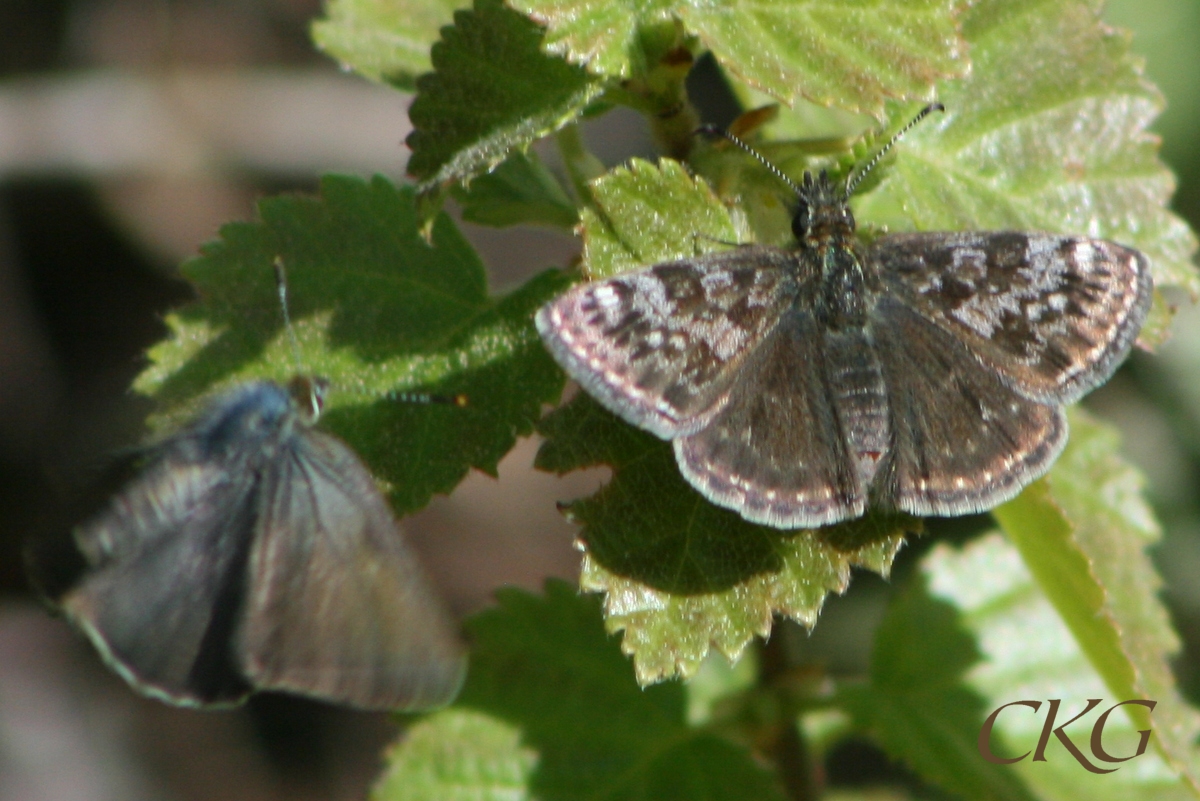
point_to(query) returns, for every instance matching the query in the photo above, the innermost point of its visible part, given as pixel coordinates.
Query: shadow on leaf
(648, 524)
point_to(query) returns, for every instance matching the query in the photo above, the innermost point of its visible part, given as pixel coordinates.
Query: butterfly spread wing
(983, 336)
(163, 585)
(1052, 315)
(661, 347)
(337, 606)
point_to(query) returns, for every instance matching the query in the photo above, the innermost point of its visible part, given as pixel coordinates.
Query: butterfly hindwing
(963, 441)
(338, 607)
(776, 453)
(164, 579)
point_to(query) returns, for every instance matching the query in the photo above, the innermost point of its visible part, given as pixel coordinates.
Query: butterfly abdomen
(859, 396)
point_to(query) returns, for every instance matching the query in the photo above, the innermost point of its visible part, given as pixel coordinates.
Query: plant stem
(582, 167)
(789, 751)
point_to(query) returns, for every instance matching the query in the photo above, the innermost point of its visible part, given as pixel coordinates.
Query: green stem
(582, 167)
(674, 128)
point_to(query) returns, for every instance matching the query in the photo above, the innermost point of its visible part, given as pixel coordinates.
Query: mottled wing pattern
(1054, 315)
(164, 565)
(963, 441)
(661, 347)
(337, 605)
(776, 453)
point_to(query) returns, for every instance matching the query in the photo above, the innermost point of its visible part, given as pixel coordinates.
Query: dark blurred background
(129, 131)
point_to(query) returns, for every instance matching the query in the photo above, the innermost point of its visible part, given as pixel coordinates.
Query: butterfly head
(822, 214)
(308, 393)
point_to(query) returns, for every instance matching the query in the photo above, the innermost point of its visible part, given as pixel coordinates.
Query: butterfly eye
(308, 393)
(848, 218)
(801, 221)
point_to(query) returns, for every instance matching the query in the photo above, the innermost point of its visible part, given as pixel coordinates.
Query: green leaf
(853, 55)
(384, 40)
(680, 574)
(1082, 532)
(492, 91)
(688, 219)
(647, 522)
(917, 706)
(519, 191)
(1031, 654)
(1047, 133)
(596, 33)
(545, 666)
(377, 310)
(456, 754)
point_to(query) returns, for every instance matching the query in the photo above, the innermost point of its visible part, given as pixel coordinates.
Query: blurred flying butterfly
(253, 552)
(923, 372)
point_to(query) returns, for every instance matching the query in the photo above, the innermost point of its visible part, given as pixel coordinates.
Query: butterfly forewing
(661, 347)
(338, 607)
(164, 584)
(1053, 315)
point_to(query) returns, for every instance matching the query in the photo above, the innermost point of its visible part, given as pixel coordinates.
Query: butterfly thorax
(824, 228)
(252, 412)
(828, 249)
(257, 418)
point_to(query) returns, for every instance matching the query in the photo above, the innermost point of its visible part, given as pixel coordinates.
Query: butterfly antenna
(716, 130)
(403, 397)
(281, 285)
(304, 389)
(854, 180)
(428, 398)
